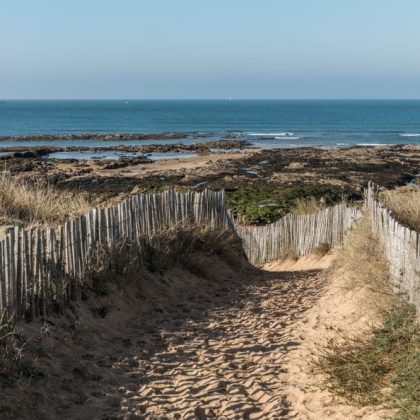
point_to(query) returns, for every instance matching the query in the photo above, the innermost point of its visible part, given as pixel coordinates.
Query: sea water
(266, 123)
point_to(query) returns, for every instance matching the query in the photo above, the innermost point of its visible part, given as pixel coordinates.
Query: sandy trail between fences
(225, 359)
(233, 348)
(230, 364)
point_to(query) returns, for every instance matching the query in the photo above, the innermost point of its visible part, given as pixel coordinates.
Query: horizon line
(209, 99)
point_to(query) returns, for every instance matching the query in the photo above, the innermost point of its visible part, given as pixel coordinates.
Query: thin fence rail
(401, 246)
(43, 269)
(300, 233)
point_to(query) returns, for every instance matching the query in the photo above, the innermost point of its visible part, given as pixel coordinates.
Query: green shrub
(265, 203)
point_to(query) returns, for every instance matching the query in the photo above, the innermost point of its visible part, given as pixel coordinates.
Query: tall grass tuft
(404, 203)
(179, 244)
(362, 265)
(37, 203)
(307, 205)
(14, 362)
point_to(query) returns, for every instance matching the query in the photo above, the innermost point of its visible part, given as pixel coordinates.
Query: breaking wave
(284, 134)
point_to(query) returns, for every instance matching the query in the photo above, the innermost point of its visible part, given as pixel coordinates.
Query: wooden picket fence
(300, 233)
(43, 269)
(401, 246)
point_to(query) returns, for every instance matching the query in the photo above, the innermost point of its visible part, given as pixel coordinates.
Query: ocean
(267, 123)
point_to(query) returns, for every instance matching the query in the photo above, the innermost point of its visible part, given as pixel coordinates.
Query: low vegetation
(14, 361)
(322, 249)
(362, 265)
(170, 247)
(25, 203)
(308, 205)
(268, 203)
(381, 367)
(404, 203)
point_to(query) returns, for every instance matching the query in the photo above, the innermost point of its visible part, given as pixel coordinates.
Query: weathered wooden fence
(300, 233)
(44, 268)
(41, 269)
(401, 246)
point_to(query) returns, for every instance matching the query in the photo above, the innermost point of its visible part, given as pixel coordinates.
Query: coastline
(337, 172)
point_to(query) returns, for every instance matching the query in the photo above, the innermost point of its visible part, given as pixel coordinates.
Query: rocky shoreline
(37, 152)
(105, 136)
(248, 175)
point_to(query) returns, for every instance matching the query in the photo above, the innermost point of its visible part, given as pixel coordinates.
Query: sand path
(225, 358)
(228, 365)
(239, 345)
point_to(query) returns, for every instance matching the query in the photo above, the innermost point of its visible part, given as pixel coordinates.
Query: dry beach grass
(37, 203)
(379, 364)
(404, 203)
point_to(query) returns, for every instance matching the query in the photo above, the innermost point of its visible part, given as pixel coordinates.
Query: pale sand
(186, 164)
(207, 163)
(225, 344)
(338, 314)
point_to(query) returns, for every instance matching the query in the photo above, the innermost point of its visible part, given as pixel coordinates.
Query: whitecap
(288, 138)
(410, 134)
(283, 134)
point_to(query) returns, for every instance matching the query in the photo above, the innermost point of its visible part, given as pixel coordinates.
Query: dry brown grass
(180, 244)
(307, 205)
(322, 249)
(14, 362)
(362, 265)
(37, 203)
(404, 203)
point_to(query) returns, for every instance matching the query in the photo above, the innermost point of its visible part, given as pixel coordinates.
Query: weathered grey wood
(301, 233)
(401, 247)
(49, 266)
(3, 301)
(42, 268)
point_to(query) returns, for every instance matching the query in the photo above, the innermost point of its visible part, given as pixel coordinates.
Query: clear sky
(209, 49)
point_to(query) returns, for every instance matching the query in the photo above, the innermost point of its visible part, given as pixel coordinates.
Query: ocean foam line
(288, 138)
(410, 134)
(284, 134)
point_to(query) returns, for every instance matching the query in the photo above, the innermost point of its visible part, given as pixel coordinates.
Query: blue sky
(210, 49)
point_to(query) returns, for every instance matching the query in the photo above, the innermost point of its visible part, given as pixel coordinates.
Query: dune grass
(404, 203)
(381, 367)
(15, 362)
(362, 265)
(179, 244)
(307, 205)
(25, 203)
